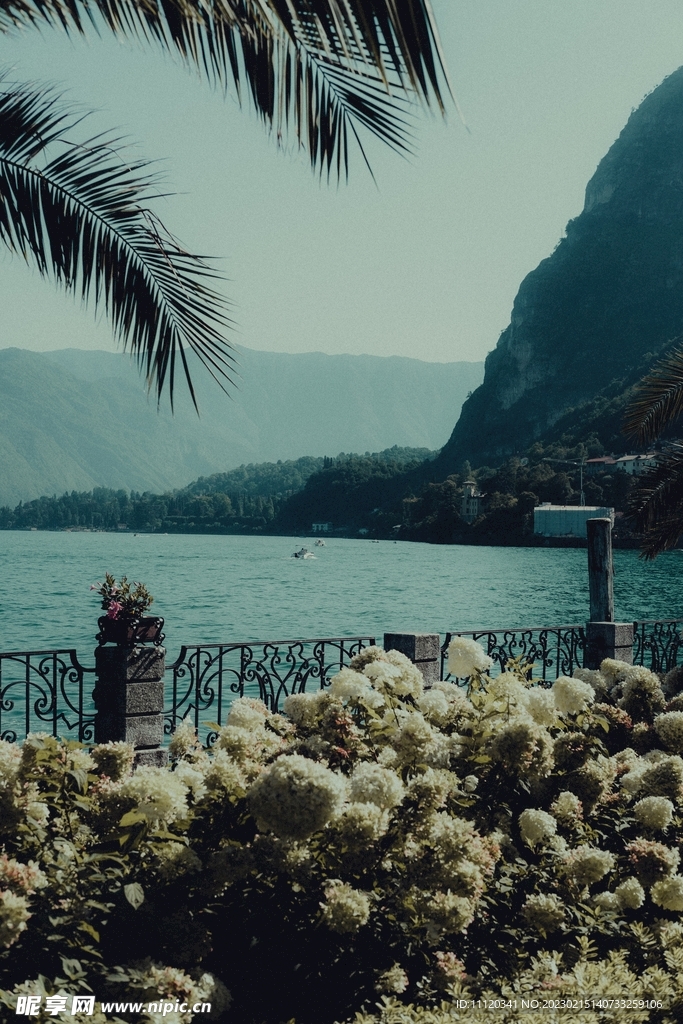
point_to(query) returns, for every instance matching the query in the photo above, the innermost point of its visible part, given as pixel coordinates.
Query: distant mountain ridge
(74, 420)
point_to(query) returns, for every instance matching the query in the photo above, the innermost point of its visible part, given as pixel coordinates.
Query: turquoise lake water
(229, 589)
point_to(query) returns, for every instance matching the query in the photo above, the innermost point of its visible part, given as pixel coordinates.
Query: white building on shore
(567, 520)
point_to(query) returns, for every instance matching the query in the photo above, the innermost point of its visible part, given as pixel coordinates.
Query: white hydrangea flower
(470, 783)
(668, 893)
(157, 793)
(630, 894)
(81, 760)
(586, 865)
(607, 901)
(613, 670)
(540, 704)
(114, 759)
(466, 656)
(572, 696)
(594, 677)
(38, 812)
(184, 740)
(248, 714)
(654, 812)
(348, 685)
(432, 788)
(392, 982)
(445, 913)
(545, 913)
(345, 909)
(175, 860)
(14, 914)
(247, 745)
(536, 826)
(412, 680)
(373, 784)
(417, 741)
(303, 708)
(633, 779)
(435, 706)
(224, 773)
(10, 761)
(641, 685)
(567, 807)
(192, 778)
(21, 878)
(295, 797)
(362, 823)
(669, 728)
(509, 687)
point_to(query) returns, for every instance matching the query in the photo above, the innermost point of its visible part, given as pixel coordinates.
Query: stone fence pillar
(129, 698)
(423, 649)
(608, 640)
(604, 637)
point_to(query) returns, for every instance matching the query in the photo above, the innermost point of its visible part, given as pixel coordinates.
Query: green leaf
(85, 927)
(135, 894)
(72, 968)
(132, 818)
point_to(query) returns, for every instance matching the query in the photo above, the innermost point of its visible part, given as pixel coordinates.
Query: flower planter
(130, 632)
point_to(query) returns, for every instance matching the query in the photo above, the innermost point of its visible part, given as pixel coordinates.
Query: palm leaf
(658, 400)
(656, 503)
(323, 67)
(81, 214)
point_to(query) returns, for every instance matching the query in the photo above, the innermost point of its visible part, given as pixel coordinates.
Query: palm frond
(656, 503)
(658, 400)
(80, 213)
(324, 67)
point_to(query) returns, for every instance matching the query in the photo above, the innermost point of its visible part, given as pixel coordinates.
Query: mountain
(74, 420)
(594, 315)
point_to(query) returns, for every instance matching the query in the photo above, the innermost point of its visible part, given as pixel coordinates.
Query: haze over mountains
(74, 420)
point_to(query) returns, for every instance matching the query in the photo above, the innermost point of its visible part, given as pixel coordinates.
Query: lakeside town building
(567, 520)
(633, 465)
(471, 505)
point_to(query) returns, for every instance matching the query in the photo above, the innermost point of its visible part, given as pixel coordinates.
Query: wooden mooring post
(605, 638)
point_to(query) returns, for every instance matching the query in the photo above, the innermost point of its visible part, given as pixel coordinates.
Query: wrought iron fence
(46, 690)
(657, 644)
(553, 650)
(43, 691)
(208, 677)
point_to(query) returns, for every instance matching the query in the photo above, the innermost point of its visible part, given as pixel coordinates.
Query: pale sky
(427, 264)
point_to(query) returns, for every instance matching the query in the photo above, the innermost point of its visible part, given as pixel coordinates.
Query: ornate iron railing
(554, 650)
(46, 690)
(43, 691)
(208, 677)
(657, 644)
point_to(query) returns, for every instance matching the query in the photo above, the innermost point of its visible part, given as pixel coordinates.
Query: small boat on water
(320, 543)
(304, 553)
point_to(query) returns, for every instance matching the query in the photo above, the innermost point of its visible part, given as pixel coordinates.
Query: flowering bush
(375, 842)
(123, 600)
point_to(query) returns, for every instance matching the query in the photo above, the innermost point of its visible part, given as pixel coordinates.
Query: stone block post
(423, 649)
(604, 637)
(608, 640)
(129, 697)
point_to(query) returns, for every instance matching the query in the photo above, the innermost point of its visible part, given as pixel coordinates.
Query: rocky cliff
(610, 294)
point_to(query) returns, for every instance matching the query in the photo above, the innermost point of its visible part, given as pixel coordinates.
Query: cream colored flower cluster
(17, 882)
(295, 797)
(345, 909)
(466, 656)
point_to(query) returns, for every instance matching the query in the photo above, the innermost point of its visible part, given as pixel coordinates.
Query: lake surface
(230, 589)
